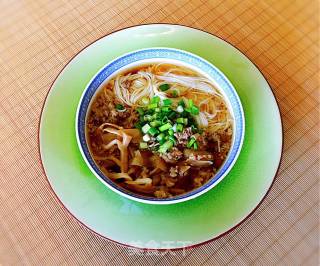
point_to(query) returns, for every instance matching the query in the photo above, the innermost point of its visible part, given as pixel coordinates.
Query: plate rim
(160, 249)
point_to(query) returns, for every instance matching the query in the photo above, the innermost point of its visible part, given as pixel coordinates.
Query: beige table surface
(37, 38)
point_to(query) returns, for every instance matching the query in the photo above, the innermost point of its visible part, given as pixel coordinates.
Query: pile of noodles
(213, 116)
(121, 138)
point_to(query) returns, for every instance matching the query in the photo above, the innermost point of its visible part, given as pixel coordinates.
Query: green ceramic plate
(155, 226)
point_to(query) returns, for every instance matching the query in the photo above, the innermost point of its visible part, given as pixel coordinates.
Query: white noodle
(131, 88)
(197, 83)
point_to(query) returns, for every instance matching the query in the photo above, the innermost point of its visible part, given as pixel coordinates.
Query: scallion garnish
(155, 99)
(180, 120)
(175, 94)
(165, 109)
(166, 146)
(147, 118)
(140, 111)
(145, 100)
(181, 103)
(194, 110)
(152, 106)
(146, 138)
(165, 127)
(172, 115)
(173, 139)
(143, 145)
(153, 131)
(167, 102)
(155, 123)
(145, 128)
(160, 137)
(180, 109)
(160, 119)
(179, 127)
(195, 146)
(191, 142)
(194, 129)
(120, 107)
(164, 87)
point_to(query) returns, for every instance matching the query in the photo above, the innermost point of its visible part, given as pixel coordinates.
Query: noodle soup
(159, 130)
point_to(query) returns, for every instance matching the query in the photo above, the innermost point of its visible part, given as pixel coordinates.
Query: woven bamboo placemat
(37, 38)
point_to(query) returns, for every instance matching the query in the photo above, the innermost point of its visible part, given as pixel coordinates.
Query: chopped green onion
(164, 87)
(194, 129)
(143, 145)
(181, 103)
(172, 115)
(120, 107)
(157, 116)
(180, 109)
(146, 138)
(179, 127)
(147, 118)
(165, 109)
(166, 146)
(152, 105)
(145, 100)
(191, 142)
(195, 146)
(194, 110)
(153, 131)
(138, 125)
(165, 127)
(160, 137)
(184, 113)
(164, 119)
(167, 102)
(145, 128)
(175, 94)
(181, 120)
(155, 123)
(173, 139)
(154, 116)
(140, 111)
(174, 128)
(155, 99)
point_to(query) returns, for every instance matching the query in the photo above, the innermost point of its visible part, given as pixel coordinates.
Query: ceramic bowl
(160, 55)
